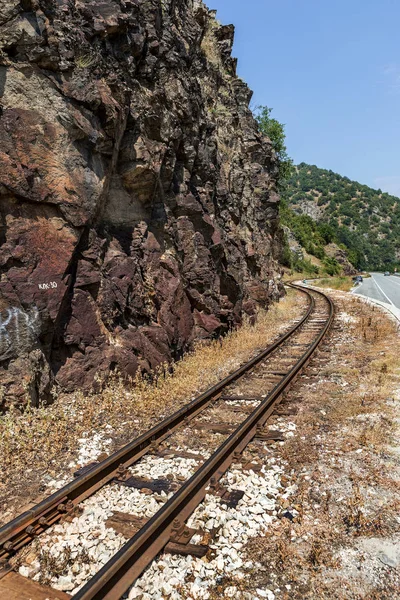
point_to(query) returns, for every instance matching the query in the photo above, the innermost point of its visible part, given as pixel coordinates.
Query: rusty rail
(113, 580)
(21, 530)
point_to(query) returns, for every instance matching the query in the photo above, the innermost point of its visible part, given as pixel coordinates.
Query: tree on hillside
(276, 132)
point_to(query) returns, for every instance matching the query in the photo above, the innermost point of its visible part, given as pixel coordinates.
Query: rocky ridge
(365, 222)
(138, 207)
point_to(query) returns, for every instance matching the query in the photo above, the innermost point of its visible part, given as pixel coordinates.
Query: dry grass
(335, 283)
(210, 47)
(297, 453)
(296, 275)
(37, 445)
(359, 520)
(375, 326)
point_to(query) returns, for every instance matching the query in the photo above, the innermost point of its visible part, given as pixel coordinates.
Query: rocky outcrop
(138, 203)
(334, 251)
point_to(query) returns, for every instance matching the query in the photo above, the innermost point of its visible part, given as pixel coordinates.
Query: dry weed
(335, 283)
(360, 521)
(298, 454)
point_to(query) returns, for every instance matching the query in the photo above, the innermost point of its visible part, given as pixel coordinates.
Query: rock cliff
(137, 199)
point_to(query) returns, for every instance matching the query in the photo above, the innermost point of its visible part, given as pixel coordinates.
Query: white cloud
(391, 184)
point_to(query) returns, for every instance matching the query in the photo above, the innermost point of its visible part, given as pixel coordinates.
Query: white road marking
(393, 280)
(381, 290)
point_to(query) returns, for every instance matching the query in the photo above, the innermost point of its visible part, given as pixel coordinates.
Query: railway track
(245, 417)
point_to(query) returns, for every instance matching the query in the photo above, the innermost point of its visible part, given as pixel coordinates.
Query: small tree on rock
(276, 132)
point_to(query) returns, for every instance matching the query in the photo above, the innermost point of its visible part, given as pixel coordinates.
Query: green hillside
(320, 206)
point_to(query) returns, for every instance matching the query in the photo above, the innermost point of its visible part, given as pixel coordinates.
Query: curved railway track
(279, 365)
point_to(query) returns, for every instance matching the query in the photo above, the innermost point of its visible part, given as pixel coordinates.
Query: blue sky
(331, 72)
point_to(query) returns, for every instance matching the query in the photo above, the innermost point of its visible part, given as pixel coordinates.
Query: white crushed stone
(346, 318)
(181, 578)
(286, 427)
(88, 532)
(91, 446)
(155, 467)
(90, 544)
(56, 484)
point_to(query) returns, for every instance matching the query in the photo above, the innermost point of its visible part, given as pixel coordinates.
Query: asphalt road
(378, 287)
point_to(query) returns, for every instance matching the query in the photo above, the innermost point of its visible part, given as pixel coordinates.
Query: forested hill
(365, 221)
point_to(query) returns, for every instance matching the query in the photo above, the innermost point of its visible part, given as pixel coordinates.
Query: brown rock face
(341, 256)
(137, 199)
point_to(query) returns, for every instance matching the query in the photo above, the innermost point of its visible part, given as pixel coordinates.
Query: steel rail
(21, 530)
(114, 578)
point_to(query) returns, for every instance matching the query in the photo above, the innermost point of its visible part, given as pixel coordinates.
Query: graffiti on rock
(18, 329)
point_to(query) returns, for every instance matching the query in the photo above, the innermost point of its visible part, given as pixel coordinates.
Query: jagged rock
(340, 255)
(138, 204)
